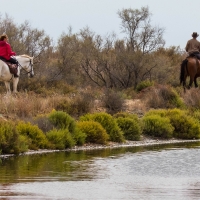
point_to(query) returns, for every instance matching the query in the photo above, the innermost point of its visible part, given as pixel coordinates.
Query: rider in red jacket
(6, 51)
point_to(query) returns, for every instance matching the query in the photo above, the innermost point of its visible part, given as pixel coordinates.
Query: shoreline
(111, 145)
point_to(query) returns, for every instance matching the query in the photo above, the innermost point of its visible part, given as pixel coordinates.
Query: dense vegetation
(87, 59)
(82, 84)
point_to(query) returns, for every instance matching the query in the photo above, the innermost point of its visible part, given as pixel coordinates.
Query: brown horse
(190, 67)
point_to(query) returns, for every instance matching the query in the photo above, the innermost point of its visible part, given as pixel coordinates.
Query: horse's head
(26, 63)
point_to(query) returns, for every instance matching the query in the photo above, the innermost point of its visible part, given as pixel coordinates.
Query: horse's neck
(22, 60)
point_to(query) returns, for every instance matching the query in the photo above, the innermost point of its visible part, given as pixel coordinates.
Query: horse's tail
(182, 73)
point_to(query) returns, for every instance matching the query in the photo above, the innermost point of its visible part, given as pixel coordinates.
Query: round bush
(130, 128)
(160, 112)
(126, 115)
(35, 136)
(95, 133)
(144, 84)
(108, 123)
(60, 139)
(10, 140)
(185, 126)
(157, 126)
(61, 120)
(79, 137)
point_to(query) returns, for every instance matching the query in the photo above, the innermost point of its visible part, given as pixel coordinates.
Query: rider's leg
(14, 61)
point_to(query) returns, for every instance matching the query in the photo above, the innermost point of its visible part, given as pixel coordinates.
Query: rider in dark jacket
(193, 46)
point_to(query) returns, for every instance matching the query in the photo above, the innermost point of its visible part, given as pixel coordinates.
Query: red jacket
(5, 50)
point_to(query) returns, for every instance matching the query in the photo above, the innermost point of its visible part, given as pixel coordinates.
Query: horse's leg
(184, 84)
(15, 83)
(7, 84)
(191, 82)
(195, 82)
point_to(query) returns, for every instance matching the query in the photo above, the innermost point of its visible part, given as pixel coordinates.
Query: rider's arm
(9, 50)
(187, 46)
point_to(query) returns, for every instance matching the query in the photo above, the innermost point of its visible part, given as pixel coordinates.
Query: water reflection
(154, 172)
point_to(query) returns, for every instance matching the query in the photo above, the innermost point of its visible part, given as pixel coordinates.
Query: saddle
(196, 55)
(12, 67)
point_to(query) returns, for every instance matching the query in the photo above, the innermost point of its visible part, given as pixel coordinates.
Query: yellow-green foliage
(95, 133)
(185, 125)
(130, 128)
(61, 120)
(196, 115)
(144, 84)
(160, 112)
(60, 139)
(35, 136)
(157, 126)
(126, 115)
(10, 140)
(108, 123)
(79, 137)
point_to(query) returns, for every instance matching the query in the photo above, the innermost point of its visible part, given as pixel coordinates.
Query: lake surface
(154, 172)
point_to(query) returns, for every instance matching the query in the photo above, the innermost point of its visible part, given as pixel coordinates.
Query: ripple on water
(166, 174)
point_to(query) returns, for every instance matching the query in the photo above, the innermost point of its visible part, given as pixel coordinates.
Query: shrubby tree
(111, 62)
(68, 58)
(141, 40)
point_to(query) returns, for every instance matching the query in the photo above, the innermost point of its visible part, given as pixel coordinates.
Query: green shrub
(185, 126)
(130, 128)
(60, 139)
(155, 125)
(35, 136)
(109, 124)
(95, 133)
(126, 115)
(87, 117)
(22, 144)
(160, 112)
(79, 137)
(196, 115)
(61, 120)
(144, 84)
(10, 140)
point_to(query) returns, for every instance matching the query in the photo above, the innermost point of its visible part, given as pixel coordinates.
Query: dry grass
(24, 105)
(192, 98)
(29, 105)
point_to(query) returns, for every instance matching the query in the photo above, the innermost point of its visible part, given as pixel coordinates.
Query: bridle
(30, 65)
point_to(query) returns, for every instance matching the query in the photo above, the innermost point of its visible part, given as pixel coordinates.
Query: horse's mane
(26, 56)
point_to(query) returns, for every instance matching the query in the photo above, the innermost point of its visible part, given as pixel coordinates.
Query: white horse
(25, 63)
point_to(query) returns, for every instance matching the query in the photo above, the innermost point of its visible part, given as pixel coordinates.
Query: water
(157, 172)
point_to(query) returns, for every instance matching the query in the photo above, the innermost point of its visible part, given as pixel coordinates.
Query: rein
(30, 64)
